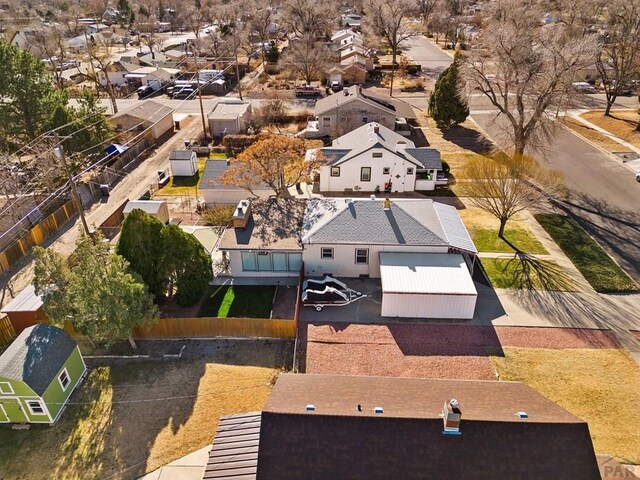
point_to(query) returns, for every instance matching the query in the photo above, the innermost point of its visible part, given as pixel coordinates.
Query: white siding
(428, 306)
(351, 169)
(185, 168)
(344, 264)
(230, 197)
(235, 268)
(163, 126)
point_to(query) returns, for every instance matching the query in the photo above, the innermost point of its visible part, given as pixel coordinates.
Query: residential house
(379, 428)
(229, 116)
(334, 76)
(142, 76)
(38, 373)
(420, 249)
(374, 158)
(345, 111)
(216, 192)
(26, 40)
(351, 20)
(117, 73)
(110, 15)
(265, 239)
(183, 163)
(154, 117)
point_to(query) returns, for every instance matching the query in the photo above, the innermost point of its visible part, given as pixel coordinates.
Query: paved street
(604, 194)
(431, 58)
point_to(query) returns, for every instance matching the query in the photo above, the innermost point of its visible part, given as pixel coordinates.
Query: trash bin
(104, 189)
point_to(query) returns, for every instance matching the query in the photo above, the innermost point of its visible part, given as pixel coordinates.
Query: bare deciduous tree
(504, 186)
(52, 46)
(308, 17)
(618, 60)
(426, 9)
(525, 72)
(388, 20)
(101, 62)
(307, 57)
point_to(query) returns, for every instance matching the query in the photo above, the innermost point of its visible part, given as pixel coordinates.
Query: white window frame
(3, 391)
(362, 170)
(29, 402)
(328, 250)
(366, 250)
(335, 171)
(64, 372)
(376, 154)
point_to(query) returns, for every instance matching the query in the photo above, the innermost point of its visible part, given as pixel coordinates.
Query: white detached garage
(426, 285)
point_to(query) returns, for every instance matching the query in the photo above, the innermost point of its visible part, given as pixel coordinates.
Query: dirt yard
(622, 124)
(132, 417)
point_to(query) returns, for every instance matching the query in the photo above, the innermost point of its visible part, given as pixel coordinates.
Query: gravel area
(434, 351)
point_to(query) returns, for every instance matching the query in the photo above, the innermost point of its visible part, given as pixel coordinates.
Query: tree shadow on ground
(468, 139)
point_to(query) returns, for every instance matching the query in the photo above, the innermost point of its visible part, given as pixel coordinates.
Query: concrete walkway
(189, 467)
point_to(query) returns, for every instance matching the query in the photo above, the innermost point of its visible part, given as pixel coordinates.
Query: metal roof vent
(522, 414)
(378, 410)
(311, 408)
(451, 415)
(372, 197)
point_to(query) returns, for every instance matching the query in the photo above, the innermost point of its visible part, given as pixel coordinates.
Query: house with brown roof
(347, 110)
(378, 428)
(153, 117)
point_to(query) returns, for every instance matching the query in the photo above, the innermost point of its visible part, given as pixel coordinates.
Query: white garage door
(426, 285)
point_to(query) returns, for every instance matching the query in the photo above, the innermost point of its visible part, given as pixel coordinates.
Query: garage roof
(425, 273)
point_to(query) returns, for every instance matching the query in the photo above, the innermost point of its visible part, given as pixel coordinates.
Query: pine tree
(445, 105)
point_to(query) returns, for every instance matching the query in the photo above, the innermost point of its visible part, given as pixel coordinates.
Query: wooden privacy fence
(204, 327)
(36, 235)
(7, 333)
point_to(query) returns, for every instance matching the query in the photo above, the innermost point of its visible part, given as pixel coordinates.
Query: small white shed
(184, 163)
(426, 285)
(156, 208)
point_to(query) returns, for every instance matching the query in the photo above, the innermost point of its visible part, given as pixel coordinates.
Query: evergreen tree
(445, 105)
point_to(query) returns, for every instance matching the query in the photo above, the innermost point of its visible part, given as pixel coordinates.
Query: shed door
(3, 415)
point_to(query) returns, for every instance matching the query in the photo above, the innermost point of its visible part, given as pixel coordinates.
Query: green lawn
(487, 240)
(217, 156)
(527, 274)
(590, 259)
(238, 301)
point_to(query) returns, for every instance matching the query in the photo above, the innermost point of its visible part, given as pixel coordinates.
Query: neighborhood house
(38, 373)
(373, 158)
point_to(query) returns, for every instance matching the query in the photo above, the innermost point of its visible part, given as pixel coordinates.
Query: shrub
(412, 69)
(235, 144)
(218, 216)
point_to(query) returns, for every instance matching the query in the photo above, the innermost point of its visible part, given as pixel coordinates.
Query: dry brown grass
(130, 419)
(601, 386)
(474, 217)
(622, 124)
(594, 136)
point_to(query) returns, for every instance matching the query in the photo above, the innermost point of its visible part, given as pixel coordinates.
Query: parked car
(584, 87)
(184, 92)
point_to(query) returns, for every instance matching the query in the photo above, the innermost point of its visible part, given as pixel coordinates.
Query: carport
(426, 285)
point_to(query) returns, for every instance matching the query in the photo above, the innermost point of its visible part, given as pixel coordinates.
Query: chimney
(451, 415)
(386, 205)
(242, 214)
(401, 145)
(376, 128)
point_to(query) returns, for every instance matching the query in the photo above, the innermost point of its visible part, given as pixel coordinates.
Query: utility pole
(195, 61)
(235, 54)
(59, 152)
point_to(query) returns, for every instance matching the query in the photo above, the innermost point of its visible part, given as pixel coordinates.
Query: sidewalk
(189, 467)
(624, 143)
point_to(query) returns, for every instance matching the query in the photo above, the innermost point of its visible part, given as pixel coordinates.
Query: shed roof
(25, 301)
(36, 356)
(151, 207)
(225, 110)
(425, 273)
(406, 440)
(181, 155)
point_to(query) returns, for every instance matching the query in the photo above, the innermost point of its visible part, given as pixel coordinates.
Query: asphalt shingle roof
(429, 158)
(407, 222)
(36, 356)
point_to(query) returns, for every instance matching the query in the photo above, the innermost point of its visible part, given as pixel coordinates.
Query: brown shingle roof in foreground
(406, 440)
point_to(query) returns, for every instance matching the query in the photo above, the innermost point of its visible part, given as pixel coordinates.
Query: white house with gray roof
(420, 249)
(374, 158)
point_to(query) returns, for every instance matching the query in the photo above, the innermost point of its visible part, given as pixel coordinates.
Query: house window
(365, 119)
(249, 263)
(6, 388)
(279, 262)
(362, 256)
(409, 171)
(35, 407)
(365, 174)
(64, 379)
(326, 121)
(386, 170)
(335, 171)
(326, 253)
(264, 262)
(377, 154)
(295, 262)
